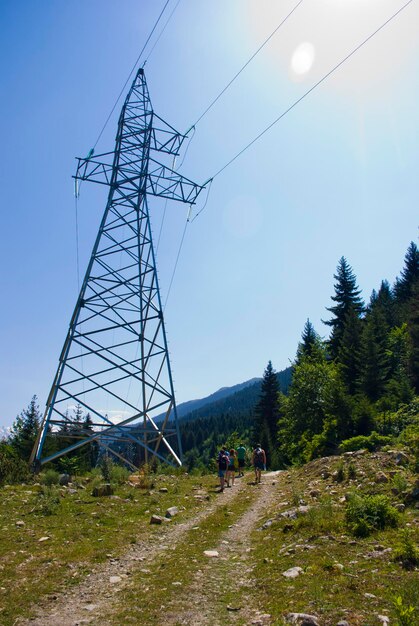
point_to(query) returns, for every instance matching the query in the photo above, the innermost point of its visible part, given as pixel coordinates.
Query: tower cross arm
(166, 183)
(159, 180)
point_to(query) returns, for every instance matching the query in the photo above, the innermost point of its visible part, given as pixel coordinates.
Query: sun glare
(303, 58)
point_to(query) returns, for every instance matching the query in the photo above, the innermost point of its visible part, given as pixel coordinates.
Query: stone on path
(302, 619)
(293, 572)
(172, 511)
(211, 553)
(115, 579)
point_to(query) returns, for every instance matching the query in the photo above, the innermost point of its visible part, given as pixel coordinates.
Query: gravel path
(199, 602)
(202, 600)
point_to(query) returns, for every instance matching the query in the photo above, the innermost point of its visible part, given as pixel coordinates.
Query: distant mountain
(237, 401)
(4, 432)
(194, 405)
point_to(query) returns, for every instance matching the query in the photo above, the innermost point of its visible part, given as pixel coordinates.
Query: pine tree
(413, 330)
(267, 413)
(349, 353)
(347, 296)
(384, 300)
(409, 276)
(25, 429)
(375, 361)
(310, 345)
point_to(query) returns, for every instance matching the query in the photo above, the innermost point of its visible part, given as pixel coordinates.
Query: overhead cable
(246, 64)
(131, 73)
(162, 31)
(311, 89)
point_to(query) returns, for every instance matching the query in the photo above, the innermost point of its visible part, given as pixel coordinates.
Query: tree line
(364, 378)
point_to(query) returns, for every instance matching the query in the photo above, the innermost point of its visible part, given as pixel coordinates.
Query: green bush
(119, 474)
(49, 477)
(365, 514)
(49, 500)
(394, 423)
(351, 471)
(12, 468)
(409, 437)
(406, 552)
(370, 442)
(405, 613)
(106, 467)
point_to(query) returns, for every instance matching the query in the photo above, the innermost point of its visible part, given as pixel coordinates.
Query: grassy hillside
(356, 554)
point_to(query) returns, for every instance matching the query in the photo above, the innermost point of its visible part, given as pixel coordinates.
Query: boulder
(163, 490)
(64, 479)
(401, 459)
(381, 478)
(156, 519)
(102, 490)
(294, 513)
(293, 572)
(302, 619)
(172, 511)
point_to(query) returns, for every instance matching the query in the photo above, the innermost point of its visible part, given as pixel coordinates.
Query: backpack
(223, 460)
(259, 456)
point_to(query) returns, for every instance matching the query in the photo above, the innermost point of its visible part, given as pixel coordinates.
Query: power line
(312, 89)
(162, 31)
(131, 73)
(246, 64)
(176, 263)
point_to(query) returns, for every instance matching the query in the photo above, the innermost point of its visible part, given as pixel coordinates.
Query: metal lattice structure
(115, 363)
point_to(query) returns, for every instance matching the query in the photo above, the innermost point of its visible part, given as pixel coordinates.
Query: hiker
(231, 468)
(259, 461)
(222, 462)
(241, 458)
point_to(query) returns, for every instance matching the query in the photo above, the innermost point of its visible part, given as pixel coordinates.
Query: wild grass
(81, 531)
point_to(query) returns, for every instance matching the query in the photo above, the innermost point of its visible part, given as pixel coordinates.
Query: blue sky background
(337, 176)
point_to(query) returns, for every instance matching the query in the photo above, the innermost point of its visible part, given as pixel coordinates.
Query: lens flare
(302, 59)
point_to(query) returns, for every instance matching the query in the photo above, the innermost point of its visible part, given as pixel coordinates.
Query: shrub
(49, 500)
(106, 466)
(119, 474)
(400, 483)
(12, 468)
(365, 514)
(351, 471)
(410, 438)
(340, 473)
(49, 477)
(405, 613)
(406, 552)
(370, 442)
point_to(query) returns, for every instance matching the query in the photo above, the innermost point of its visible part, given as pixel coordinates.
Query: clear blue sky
(337, 176)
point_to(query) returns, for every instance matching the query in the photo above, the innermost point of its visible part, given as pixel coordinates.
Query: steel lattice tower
(115, 362)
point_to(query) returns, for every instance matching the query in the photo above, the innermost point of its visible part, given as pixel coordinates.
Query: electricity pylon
(115, 364)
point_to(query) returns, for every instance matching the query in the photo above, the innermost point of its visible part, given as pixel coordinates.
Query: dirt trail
(93, 598)
(203, 601)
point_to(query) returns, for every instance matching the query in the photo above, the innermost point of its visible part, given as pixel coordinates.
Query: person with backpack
(222, 462)
(241, 458)
(258, 461)
(231, 468)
